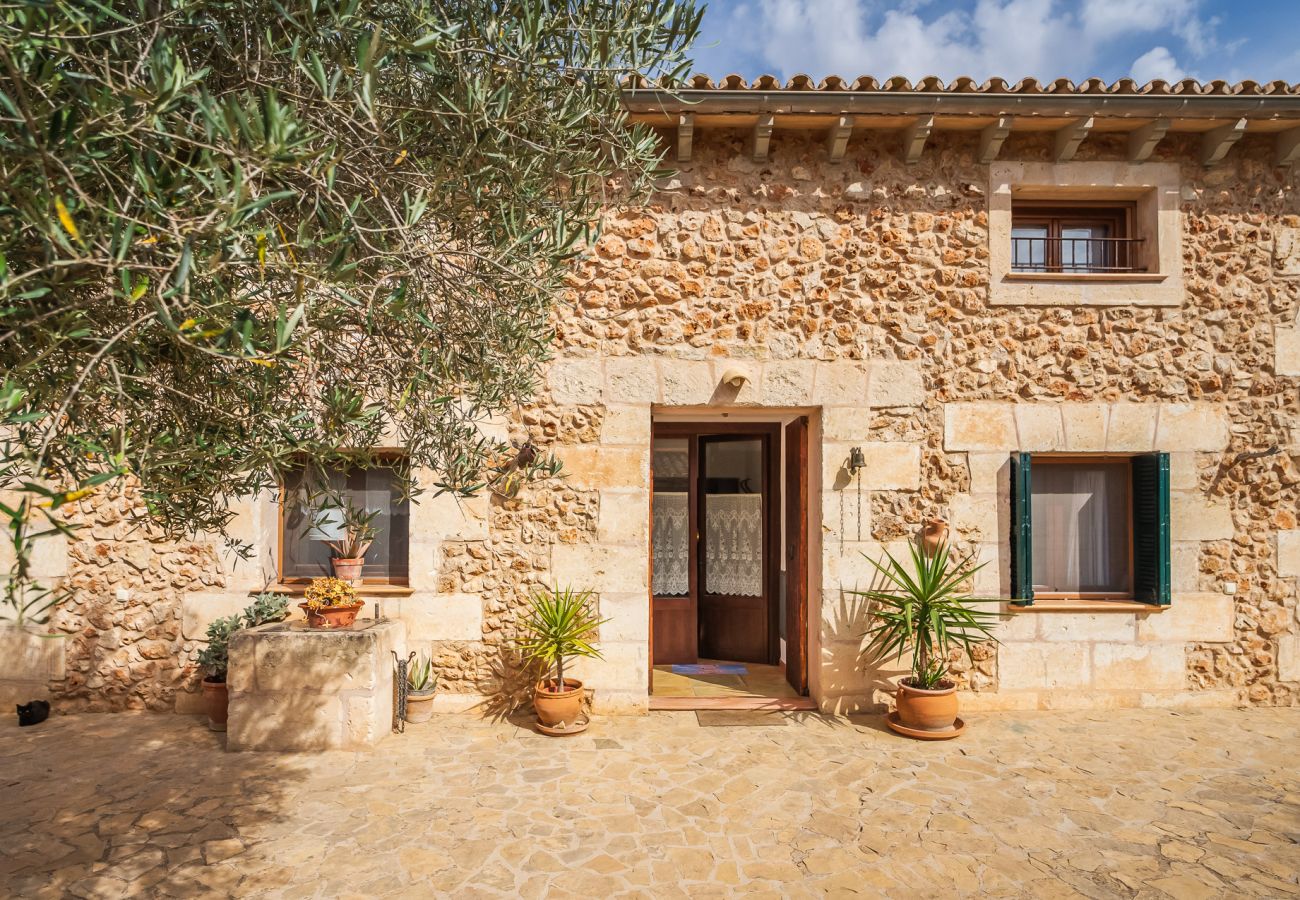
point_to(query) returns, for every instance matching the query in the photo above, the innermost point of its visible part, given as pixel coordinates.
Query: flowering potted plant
(331, 603)
(559, 624)
(923, 609)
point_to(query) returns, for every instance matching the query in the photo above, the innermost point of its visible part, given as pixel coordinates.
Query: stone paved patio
(1122, 804)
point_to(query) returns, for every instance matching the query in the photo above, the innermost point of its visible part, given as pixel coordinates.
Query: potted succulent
(358, 532)
(559, 624)
(330, 603)
(215, 657)
(421, 684)
(923, 609)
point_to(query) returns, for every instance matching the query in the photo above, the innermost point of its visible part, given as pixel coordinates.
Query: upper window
(1074, 238)
(309, 523)
(1090, 528)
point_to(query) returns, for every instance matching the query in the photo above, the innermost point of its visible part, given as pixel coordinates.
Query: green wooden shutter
(1151, 551)
(1022, 538)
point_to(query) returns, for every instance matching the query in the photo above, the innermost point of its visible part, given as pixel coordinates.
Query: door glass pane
(1029, 248)
(1080, 515)
(672, 519)
(733, 517)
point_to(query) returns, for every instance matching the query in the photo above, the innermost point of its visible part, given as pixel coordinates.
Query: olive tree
(239, 236)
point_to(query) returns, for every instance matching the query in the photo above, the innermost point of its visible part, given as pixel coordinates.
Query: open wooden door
(796, 554)
(674, 577)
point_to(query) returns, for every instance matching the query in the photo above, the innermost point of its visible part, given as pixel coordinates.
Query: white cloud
(1157, 62)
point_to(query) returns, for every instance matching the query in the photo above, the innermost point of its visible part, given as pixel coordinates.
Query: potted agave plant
(921, 608)
(215, 657)
(358, 533)
(559, 624)
(421, 684)
(330, 603)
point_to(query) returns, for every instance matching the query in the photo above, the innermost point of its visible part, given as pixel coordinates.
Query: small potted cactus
(421, 684)
(331, 603)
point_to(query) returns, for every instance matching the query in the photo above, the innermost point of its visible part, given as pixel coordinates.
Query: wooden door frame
(772, 434)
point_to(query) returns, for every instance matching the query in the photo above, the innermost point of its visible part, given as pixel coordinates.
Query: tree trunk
(559, 674)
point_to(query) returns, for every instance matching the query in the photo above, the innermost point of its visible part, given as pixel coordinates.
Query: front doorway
(729, 562)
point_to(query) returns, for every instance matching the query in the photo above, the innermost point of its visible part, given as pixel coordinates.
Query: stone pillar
(298, 688)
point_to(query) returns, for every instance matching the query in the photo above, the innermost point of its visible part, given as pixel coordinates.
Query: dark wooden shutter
(1151, 550)
(1022, 538)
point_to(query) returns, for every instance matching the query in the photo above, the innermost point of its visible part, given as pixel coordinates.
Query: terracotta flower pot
(217, 701)
(348, 568)
(419, 706)
(933, 535)
(924, 710)
(332, 616)
(554, 707)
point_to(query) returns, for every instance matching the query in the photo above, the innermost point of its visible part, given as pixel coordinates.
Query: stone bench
(298, 688)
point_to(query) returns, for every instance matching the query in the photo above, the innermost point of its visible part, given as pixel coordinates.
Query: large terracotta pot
(554, 707)
(933, 535)
(332, 616)
(348, 568)
(419, 706)
(217, 701)
(924, 710)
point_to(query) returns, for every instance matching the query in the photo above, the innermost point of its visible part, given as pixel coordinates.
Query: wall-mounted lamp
(856, 460)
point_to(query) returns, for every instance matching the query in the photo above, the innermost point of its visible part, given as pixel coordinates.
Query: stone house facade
(952, 285)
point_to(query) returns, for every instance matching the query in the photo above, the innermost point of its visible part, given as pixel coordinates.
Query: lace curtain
(733, 545)
(672, 520)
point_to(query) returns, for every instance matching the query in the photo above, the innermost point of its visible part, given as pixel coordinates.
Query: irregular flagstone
(1024, 804)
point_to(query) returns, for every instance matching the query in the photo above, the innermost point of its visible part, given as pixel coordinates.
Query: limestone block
(600, 568)
(1288, 553)
(284, 723)
(30, 656)
(1185, 567)
(626, 425)
(623, 666)
(850, 570)
(750, 391)
(990, 473)
(1152, 667)
(1084, 426)
(439, 617)
(848, 668)
(630, 379)
(840, 383)
(998, 701)
(576, 381)
(1132, 427)
(1038, 427)
(1221, 699)
(1288, 657)
(844, 518)
(977, 514)
(686, 382)
(895, 384)
(846, 423)
(1182, 471)
(49, 557)
(635, 702)
(311, 661)
(1083, 627)
(199, 610)
(979, 426)
(1286, 251)
(1193, 518)
(1287, 348)
(1191, 426)
(788, 382)
(624, 518)
(368, 718)
(1038, 665)
(1190, 617)
(891, 465)
(588, 467)
(1019, 626)
(628, 615)
(439, 517)
(1073, 699)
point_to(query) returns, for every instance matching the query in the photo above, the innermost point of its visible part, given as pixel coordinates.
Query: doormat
(710, 669)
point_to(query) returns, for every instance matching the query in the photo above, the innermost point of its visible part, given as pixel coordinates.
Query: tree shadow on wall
(139, 804)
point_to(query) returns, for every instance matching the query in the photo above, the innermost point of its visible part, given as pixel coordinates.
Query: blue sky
(1075, 39)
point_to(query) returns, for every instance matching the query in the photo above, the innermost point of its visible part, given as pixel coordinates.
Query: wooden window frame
(1058, 215)
(383, 457)
(1062, 459)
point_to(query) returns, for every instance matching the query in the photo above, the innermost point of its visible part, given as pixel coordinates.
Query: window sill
(297, 589)
(1088, 606)
(1086, 277)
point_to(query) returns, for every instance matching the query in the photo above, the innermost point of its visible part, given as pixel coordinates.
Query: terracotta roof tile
(932, 84)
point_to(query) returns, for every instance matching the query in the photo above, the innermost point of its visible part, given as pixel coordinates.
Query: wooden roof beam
(1142, 143)
(761, 139)
(1216, 142)
(1070, 137)
(685, 136)
(914, 138)
(837, 137)
(992, 138)
(1287, 150)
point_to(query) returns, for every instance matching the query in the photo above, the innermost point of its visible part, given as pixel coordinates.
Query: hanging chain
(402, 687)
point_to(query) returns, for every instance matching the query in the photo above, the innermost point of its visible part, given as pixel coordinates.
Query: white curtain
(671, 575)
(1080, 532)
(733, 544)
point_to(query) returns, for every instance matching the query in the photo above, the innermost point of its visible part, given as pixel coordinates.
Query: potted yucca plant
(920, 608)
(559, 624)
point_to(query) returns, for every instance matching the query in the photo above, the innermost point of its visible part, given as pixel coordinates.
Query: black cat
(33, 713)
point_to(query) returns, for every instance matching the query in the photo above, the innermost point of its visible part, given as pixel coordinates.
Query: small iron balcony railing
(1075, 255)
